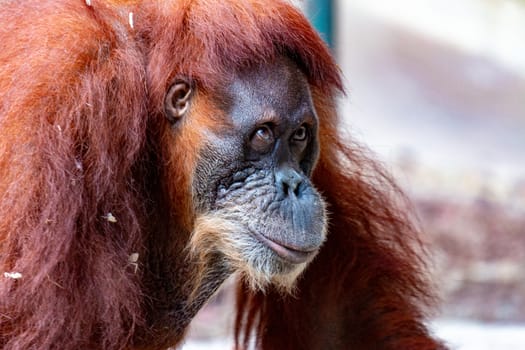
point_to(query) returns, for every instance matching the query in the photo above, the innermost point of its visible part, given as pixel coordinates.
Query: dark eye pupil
(262, 138)
(264, 133)
(300, 134)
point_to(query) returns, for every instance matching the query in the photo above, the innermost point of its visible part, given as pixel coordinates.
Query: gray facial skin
(256, 173)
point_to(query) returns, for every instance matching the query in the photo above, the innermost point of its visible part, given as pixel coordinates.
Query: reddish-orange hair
(367, 288)
(85, 147)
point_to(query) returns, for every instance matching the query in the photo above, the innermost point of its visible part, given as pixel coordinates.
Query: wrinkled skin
(256, 173)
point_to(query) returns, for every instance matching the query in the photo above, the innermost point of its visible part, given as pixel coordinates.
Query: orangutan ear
(177, 101)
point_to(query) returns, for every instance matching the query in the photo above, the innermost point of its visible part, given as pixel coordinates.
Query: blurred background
(436, 88)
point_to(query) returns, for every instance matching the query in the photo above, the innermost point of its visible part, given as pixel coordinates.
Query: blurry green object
(320, 13)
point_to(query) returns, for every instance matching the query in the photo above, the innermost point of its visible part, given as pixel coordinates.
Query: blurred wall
(437, 89)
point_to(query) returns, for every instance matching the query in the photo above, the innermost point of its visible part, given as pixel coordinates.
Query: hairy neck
(176, 283)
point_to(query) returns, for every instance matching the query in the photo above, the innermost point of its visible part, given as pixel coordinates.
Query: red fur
(83, 135)
(367, 288)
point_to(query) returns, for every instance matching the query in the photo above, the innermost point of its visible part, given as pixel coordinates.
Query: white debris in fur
(13, 275)
(133, 261)
(130, 18)
(110, 217)
(78, 165)
(133, 258)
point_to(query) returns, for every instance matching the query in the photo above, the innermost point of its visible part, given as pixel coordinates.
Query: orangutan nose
(288, 181)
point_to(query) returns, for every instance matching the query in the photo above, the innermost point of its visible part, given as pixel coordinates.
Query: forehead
(272, 90)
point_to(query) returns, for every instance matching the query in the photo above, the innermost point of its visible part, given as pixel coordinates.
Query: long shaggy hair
(367, 288)
(85, 151)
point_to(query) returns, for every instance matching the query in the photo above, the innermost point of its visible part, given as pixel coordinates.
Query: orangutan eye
(264, 134)
(262, 138)
(300, 134)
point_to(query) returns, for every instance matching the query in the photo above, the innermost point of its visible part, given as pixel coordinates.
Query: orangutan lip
(286, 253)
